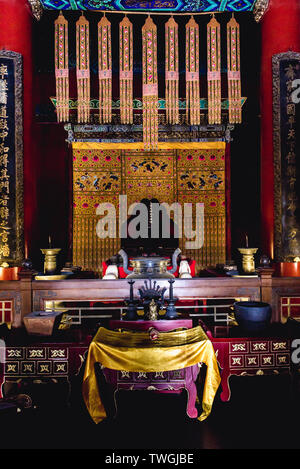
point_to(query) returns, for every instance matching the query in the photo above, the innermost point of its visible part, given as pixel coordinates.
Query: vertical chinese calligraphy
(4, 159)
(286, 69)
(11, 158)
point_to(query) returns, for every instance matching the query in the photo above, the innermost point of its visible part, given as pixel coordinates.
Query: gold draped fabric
(136, 352)
(61, 68)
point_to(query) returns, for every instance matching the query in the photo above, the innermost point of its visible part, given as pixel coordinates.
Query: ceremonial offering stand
(163, 381)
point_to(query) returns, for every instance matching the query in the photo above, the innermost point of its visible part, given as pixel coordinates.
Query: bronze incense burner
(150, 267)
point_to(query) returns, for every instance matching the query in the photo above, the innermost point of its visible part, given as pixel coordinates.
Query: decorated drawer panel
(279, 345)
(252, 361)
(127, 376)
(14, 353)
(267, 360)
(282, 359)
(58, 352)
(36, 367)
(260, 346)
(239, 347)
(237, 361)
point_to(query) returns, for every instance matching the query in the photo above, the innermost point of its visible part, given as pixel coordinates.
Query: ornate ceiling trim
(260, 9)
(36, 8)
(177, 6)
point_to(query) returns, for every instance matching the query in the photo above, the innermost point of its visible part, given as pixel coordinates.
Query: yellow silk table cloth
(137, 352)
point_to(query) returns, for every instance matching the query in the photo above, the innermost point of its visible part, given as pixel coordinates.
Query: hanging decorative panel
(171, 72)
(61, 68)
(83, 69)
(214, 71)
(126, 71)
(150, 85)
(234, 73)
(105, 70)
(192, 73)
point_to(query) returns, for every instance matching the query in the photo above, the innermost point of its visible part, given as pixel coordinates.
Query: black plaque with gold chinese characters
(11, 158)
(286, 139)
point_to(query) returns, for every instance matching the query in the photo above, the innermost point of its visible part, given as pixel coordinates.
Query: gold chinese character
(4, 226)
(4, 185)
(290, 72)
(292, 206)
(291, 171)
(3, 70)
(291, 120)
(292, 182)
(4, 212)
(4, 174)
(292, 233)
(291, 157)
(3, 110)
(3, 91)
(3, 159)
(3, 134)
(3, 85)
(4, 237)
(291, 109)
(291, 134)
(4, 250)
(3, 124)
(3, 149)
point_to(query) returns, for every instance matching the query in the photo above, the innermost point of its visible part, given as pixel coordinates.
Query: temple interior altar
(149, 224)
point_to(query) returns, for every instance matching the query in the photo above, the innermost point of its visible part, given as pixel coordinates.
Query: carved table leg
(226, 392)
(192, 395)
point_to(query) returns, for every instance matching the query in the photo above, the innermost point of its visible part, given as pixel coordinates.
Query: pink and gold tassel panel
(83, 69)
(172, 73)
(192, 73)
(234, 72)
(105, 70)
(150, 85)
(126, 71)
(61, 68)
(214, 71)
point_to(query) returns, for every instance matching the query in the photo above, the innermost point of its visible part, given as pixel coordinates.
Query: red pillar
(280, 32)
(16, 35)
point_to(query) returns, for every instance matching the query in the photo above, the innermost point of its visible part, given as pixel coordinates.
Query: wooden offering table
(172, 381)
(163, 355)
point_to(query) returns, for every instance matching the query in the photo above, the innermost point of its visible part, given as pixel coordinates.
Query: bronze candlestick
(248, 259)
(50, 264)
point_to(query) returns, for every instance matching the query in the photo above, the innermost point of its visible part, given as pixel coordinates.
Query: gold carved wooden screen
(178, 172)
